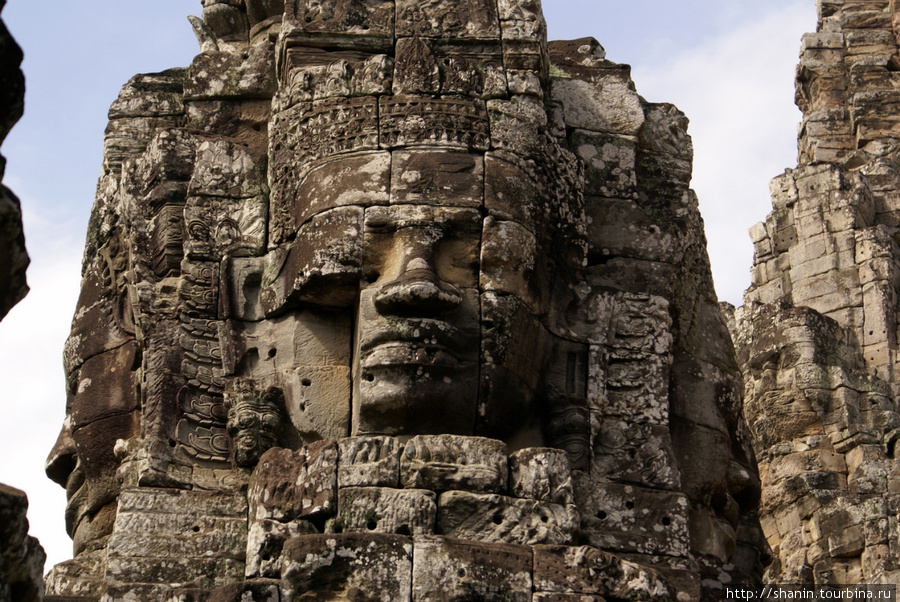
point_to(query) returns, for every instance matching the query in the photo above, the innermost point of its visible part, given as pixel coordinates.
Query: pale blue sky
(727, 63)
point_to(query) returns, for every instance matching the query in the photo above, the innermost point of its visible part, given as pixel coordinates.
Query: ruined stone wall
(817, 336)
(396, 298)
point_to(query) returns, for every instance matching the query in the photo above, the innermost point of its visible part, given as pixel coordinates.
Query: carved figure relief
(255, 421)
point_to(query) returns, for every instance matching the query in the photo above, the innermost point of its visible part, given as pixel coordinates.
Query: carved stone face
(418, 322)
(444, 272)
(353, 222)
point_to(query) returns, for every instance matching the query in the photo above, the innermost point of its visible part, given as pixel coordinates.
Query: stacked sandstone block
(439, 516)
(817, 336)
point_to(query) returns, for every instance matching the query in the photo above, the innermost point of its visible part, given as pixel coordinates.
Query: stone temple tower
(818, 334)
(394, 299)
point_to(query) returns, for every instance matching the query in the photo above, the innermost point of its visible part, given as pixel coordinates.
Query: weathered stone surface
(288, 485)
(167, 537)
(513, 346)
(348, 566)
(541, 474)
(385, 510)
(14, 259)
(22, 558)
(627, 518)
(442, 462)
(265, 542)
(320, 264)
(583, 570)
(369, 462)
(590, 106)
(256, 590)
(817, 334)
(215, 75)
(360, 180)
(448, 569)
(360, 252)
(81, 576)
(346, 25)
(501, 519)
(473, 20)
(457, 181)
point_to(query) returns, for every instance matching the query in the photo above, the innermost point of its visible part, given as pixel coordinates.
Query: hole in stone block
(369, 377)
(306, 382)
(272, 352)
(497, 518)
(195, 529)
(371, 525)
(461, 573)
(601, 514)
(666, 521)
(248, 362)
(629, 504)
(403, 530)
(891, 448)
(252, 284)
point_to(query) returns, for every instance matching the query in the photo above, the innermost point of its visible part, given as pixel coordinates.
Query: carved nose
(63, 458)
(417, 290)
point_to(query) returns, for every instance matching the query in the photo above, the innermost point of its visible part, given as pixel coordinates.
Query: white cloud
(737, 90)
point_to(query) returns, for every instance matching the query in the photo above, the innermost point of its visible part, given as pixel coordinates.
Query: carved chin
(248, 448)
(410, 399)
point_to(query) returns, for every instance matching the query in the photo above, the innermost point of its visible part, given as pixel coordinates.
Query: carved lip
(76, 498)
(410, 354)
(419, 342)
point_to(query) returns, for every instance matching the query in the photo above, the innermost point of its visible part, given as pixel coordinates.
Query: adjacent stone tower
(818, 334)
(392, 299)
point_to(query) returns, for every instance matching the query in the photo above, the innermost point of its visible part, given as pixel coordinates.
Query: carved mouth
(401, 353)
(76, 499)
(422, 343)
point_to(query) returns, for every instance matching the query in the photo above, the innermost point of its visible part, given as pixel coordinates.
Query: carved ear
(205, 36)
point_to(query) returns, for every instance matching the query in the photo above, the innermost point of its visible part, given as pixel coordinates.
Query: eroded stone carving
(255, 420)
(481, 292)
